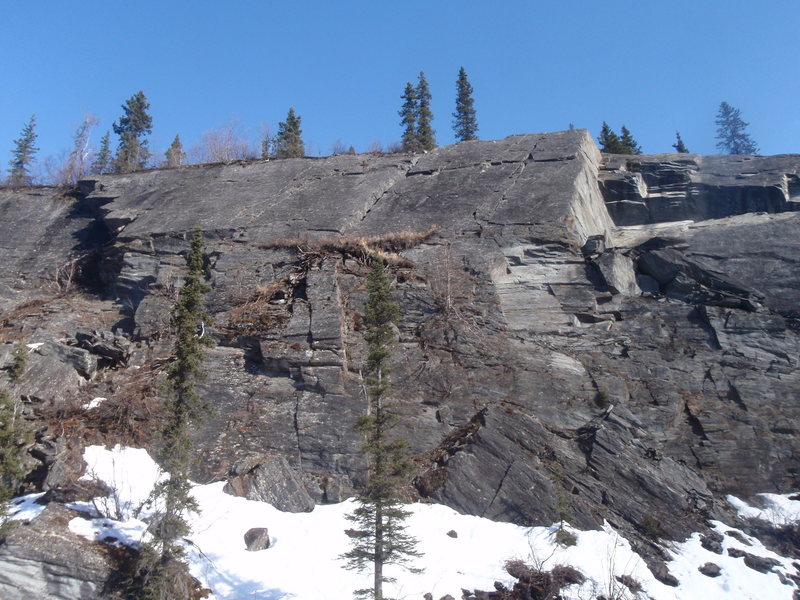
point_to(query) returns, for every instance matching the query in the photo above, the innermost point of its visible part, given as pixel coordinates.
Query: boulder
(710, 569)
(257, 538)
(44, 559)
(618, 272)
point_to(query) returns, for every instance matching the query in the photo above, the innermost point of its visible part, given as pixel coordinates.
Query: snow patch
(778, 509)
(25, 508)
(303, 544)
(93, 403)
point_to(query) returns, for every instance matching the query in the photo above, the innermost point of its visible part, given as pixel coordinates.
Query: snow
(779, 509)
(93, 403)
(25, 508)
(303, 562)
(736, 580)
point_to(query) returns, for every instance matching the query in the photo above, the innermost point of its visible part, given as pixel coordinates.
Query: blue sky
(535, 66)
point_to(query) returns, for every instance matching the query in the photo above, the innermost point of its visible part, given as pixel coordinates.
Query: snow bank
(779, 509)
(303, 562)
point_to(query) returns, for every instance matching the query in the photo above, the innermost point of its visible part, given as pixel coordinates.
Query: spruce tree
(19, 362)
(175, 154)
(732, 137)
(15, 436)
(609, 141)
(628, 144)
(679, 145)
(161, 569)
(19, 172)
(132, 129)
(425, 134)
(288, 142)
(379, 536)
(465, 124)
(408, 119)
(102, 160)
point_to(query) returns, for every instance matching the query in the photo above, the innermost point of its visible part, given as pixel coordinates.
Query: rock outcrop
(548, 359)
(674, 187)
(44, 559)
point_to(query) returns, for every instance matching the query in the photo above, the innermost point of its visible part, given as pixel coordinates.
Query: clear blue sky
(655, 66)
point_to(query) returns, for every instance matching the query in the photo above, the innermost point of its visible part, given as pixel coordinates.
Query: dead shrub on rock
(537, 584)
(362, 247)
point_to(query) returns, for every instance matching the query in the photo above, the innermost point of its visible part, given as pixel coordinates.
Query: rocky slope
(613, 338)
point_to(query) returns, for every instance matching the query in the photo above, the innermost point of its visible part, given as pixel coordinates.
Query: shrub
(19, 362)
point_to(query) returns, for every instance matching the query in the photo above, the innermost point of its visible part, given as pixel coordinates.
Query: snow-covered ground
(303, 562)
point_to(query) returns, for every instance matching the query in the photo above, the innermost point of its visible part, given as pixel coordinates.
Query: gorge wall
(614, 338)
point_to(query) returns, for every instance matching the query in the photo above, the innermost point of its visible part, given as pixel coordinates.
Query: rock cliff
(613, 338)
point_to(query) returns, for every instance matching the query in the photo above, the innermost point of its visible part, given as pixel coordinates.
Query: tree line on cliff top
(228, 143)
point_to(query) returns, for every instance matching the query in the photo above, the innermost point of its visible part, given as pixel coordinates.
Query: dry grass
(360, 246)
(256, 314)
(130, 416)
(9, 328)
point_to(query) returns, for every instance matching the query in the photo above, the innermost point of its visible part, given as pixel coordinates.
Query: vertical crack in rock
(296, 424)
(499, 487)
(694, 423)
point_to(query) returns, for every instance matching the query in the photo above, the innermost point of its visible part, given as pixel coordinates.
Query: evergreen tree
(133, 126)
(732, 136)
(161, 572)
(609, 141)
(627, 142)
(15, 435)
(465, 124)
(19, 362)
(408, 119)
(379, 537)
(288, 142)
(19, 172)
(102, 160)
(679, 145)
(424, 117)
(175, 154)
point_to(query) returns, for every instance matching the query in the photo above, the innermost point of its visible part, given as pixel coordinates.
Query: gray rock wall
(676, 187)
(645, 373)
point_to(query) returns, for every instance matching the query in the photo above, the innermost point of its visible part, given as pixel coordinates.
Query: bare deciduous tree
(78, 160)
(227, 143)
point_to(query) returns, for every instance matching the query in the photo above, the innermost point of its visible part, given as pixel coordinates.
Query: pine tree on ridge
(627, 142)
(288, 142)
(175, 154)
(732, 137)
(425, 133)
(102, 160)
(19, 173)
(679, 146)
(132, 129)
(465, 124)
(609, 141)
(408, 119)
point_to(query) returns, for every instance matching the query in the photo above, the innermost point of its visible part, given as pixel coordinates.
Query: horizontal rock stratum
(548, 360)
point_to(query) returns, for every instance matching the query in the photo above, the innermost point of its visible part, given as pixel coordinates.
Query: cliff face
(548, 360)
